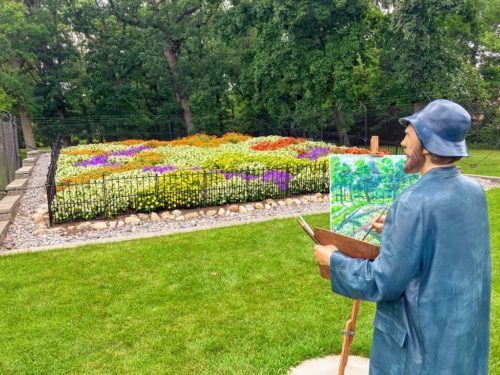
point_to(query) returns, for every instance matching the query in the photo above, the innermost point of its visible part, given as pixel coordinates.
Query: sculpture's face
(414, 151)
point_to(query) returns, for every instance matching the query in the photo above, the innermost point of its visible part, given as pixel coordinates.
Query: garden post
(326, 181)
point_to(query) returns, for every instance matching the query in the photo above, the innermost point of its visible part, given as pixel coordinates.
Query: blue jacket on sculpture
(432, 279)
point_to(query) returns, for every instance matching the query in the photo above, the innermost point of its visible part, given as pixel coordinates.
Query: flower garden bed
(104, 180)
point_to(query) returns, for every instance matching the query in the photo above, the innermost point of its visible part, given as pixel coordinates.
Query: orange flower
(280, 143)
(148, 156)
(97, 173)
(129, 142)
(204, 140)
(154, 143)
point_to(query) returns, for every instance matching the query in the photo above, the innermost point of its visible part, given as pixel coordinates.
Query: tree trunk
(183, 99)
(26, 126)
(337, 121)
(367, 197)
(65, 138)
(416, 106)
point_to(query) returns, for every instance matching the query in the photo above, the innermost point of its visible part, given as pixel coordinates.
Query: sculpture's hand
(322, 254)
(378, 224)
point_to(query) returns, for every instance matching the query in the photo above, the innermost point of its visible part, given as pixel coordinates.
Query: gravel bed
(22, 233)
(60, 234)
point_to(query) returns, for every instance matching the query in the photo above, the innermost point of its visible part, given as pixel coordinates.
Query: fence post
(247, 185)
(48, 188)
(156, 185)
(287, 172)
(326, 179)
(104, 197)
(51, 177)
(204, 187)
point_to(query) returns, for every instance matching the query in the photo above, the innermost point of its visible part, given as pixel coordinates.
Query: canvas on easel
(361, 186)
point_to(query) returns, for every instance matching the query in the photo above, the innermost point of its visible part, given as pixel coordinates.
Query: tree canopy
(163, 69)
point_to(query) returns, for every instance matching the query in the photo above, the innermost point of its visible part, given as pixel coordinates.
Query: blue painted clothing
(431, 281)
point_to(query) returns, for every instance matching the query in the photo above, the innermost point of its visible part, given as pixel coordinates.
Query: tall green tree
(175, 22)
(303, 55)
(18, 35)
(430, 48)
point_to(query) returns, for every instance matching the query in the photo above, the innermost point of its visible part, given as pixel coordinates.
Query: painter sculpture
(432, 277)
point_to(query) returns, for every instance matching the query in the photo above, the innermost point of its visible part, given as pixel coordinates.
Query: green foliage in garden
(173, 190)
(232, 162)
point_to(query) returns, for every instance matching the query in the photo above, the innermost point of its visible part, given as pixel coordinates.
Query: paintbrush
(380, 216)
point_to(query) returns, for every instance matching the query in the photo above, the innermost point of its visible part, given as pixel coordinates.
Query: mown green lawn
(481, 162)
(239, 300)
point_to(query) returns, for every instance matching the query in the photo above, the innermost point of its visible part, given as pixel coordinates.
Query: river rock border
(41, 217)
(143, 225)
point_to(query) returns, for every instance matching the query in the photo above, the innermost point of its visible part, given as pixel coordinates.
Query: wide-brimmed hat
(441, 127)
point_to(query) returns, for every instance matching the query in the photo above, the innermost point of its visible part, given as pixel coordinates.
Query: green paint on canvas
(361, 186)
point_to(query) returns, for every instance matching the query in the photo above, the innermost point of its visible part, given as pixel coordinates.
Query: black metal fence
(109, 196)
(51, 176)
(359, 121)
(10, 159)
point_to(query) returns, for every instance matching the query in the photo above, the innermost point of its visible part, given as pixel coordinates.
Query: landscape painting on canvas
(361, 187)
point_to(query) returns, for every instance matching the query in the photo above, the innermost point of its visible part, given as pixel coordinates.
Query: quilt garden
(106, 179)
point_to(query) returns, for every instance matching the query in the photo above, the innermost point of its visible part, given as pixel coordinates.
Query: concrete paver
(330, 366)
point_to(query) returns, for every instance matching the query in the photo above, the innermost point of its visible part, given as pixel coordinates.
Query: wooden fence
(10, 159)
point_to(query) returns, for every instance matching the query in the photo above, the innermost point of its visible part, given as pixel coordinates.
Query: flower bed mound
(104, 180)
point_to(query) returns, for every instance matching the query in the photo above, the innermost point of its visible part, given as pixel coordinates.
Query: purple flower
(159, 169)
(244, 176)
(95, 161)
(282, 179)
(315, 153)
(130, 151)
(103, 159)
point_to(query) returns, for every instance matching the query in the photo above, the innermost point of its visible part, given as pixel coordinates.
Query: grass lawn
(481, 162)
(240, 300)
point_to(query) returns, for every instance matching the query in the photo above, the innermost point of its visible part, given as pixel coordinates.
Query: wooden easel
(374, 145)
(355, 249)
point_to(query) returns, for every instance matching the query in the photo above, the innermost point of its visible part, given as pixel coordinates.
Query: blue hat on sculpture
(441, 127)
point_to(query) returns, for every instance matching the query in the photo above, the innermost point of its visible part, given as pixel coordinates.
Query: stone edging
(10, 202)
(41, 217)
(153, 234)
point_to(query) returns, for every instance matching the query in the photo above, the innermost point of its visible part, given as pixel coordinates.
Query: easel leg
(349, 330)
